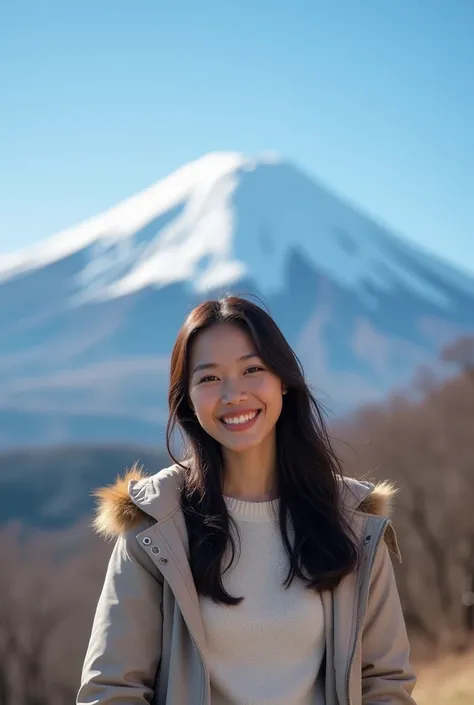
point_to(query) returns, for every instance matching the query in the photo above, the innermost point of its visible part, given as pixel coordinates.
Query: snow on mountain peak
(226, 216)
(128, 216)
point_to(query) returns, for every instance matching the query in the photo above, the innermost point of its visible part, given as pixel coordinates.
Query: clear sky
(101, 98)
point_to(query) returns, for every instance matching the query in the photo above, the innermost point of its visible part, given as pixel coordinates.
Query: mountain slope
(88, 317)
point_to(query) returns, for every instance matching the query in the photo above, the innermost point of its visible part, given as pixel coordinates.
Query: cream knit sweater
(268, 649)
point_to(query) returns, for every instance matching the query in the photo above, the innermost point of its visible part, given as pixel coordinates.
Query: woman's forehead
(219, 343)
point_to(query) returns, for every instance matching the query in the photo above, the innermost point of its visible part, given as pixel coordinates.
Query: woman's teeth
(243, 418)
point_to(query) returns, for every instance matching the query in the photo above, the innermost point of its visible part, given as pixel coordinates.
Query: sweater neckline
(252, 511)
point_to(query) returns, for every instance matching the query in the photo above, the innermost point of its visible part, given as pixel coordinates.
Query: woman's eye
(254, 368)
(208, 378)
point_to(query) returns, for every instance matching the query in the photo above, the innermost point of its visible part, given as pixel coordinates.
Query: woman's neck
(251, 475)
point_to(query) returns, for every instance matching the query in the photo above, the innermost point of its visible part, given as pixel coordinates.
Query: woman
(252, 572)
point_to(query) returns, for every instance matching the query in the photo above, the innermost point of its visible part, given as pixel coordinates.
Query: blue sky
(374, 97)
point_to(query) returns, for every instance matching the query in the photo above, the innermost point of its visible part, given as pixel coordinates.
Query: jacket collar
(124, 505)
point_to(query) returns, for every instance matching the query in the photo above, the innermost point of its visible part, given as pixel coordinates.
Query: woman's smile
(240, 420)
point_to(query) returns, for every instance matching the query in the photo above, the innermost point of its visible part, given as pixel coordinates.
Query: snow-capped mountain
(88, 317)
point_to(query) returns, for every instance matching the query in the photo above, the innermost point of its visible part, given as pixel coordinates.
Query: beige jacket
(148, 643)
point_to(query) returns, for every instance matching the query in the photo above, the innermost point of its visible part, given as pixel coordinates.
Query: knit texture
(268, 649)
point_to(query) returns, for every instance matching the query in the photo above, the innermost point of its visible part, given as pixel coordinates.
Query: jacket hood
(135, 497)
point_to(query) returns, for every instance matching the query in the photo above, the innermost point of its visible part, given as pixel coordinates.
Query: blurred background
(318, 154)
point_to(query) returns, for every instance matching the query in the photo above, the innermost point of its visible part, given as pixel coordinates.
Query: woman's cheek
(267, 387)
(205, 405)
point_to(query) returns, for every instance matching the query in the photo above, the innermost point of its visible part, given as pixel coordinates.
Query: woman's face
(237, 400)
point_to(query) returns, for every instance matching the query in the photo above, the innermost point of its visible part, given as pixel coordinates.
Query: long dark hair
(323, 549)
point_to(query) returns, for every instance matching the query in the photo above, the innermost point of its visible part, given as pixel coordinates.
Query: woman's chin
(240, 444)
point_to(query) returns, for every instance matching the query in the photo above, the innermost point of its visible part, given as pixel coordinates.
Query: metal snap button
(367, 538)
(146, 540)
(155, 550)
(163, 561)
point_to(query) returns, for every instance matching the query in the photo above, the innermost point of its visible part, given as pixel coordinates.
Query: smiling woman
(231, 359)
(306, 612)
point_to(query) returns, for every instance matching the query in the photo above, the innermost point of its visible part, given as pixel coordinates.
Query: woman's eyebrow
(213, 365)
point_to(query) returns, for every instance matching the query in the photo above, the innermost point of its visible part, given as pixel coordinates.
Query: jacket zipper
(203, 669)
(201, 657)
(359, 598)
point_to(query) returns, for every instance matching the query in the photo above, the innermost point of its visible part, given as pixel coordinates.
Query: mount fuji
(89, 316)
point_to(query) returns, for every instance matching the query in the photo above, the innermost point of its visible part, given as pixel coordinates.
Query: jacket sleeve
(124, 650)
(387, 676)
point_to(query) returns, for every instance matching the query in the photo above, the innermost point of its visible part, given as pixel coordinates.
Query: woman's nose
(233, 393)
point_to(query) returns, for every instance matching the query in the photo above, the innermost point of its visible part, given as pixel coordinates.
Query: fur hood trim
(380, 500)
(133, 499)
(116, 512)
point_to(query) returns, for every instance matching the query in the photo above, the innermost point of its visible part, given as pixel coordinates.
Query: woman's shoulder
(136, 498)
(374, 500)
(367, 497)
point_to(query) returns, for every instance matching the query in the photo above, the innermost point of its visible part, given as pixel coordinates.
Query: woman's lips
(240, 421)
